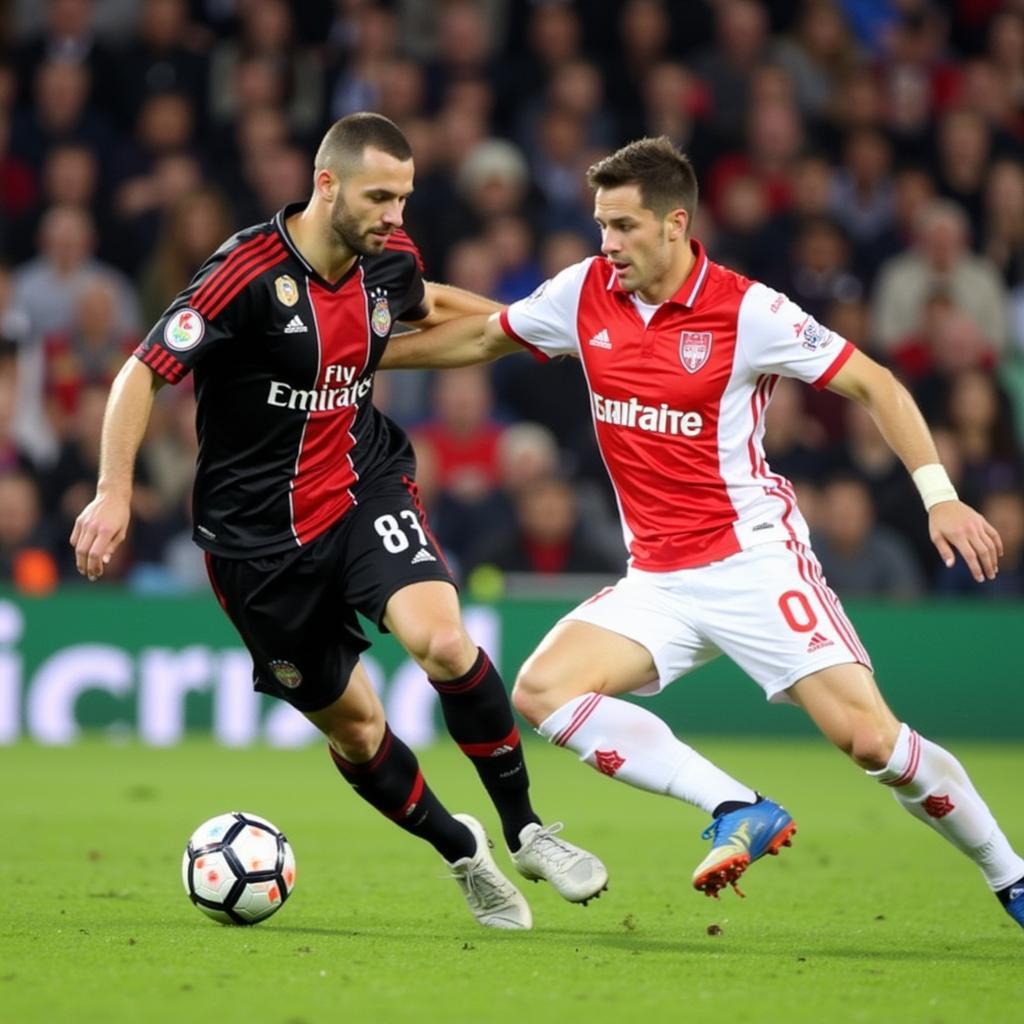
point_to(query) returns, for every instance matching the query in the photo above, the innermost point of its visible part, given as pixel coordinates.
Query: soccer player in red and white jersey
(681, 357)
(306, 507)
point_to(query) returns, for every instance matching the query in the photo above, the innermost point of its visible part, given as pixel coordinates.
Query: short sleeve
(409, 302)
(202, 316)
(776, 336)
(545, 321)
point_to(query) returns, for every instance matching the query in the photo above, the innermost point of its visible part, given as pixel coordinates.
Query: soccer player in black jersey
(306, 507)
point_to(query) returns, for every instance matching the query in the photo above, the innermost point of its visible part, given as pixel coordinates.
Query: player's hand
(99, 530)
(954, 526)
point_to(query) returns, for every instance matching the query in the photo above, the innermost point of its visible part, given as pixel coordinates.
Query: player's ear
(326, 184)
(678, 221)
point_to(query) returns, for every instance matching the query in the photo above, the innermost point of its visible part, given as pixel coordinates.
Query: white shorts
(768, 608)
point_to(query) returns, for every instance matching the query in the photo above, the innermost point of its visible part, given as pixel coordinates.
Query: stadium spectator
(1004, 509)
(511, 241)
(741, 46)
(817, 54)
(546, 538)
(939, 258)
(25, 538)
(266, 61)
(675, 104)
(164, 54)
(60, 113)
(464, 434)
(1003, 231)
(68, 35)
(979, 413)
(364, 58)
(192, 228)
(858, 556)
(87, 354)
(45, 290)
(862, 190)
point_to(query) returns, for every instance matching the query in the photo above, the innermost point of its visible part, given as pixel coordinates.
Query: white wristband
(934, 485)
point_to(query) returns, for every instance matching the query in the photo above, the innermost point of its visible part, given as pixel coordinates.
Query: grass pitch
(868, 918)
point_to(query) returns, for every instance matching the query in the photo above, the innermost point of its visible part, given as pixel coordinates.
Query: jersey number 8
(393, 536)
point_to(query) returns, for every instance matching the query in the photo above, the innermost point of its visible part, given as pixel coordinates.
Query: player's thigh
(354, 722)
(304, 641)
(634, 637)
(388, 546)
(425, 619)
(845, 703)
(769, 609)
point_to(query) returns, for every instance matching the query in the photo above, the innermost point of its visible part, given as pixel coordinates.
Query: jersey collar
(688, 292)
(282, 230)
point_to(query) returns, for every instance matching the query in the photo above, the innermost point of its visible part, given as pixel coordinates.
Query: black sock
(478, 714)
(1004, 893)
(734, 805)
(392, 782)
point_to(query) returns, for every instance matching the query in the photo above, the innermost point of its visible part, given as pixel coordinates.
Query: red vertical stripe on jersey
(324, 469)
(774, 485)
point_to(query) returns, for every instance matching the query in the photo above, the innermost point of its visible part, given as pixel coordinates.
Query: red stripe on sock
(410, 803)
(583, 712)
(913, 761)
(463, 683)
(492, 748)
(362, 767)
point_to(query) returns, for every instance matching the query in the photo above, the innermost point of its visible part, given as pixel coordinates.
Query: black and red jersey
(283, 361)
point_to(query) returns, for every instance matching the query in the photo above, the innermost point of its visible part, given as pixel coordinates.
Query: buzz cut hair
(342, 147)
(663, 174)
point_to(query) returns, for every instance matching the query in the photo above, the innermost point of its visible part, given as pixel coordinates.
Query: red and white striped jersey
(678, 403)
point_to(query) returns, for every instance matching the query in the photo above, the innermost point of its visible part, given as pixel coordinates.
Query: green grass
(868, 918)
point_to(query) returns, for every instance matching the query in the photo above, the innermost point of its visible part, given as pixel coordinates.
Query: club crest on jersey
(184, 330)
(287, 290)
(286, 674)
(380, 318)
(694, 349)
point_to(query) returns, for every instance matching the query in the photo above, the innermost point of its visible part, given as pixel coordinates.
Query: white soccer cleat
(577, 876)
(492, 899)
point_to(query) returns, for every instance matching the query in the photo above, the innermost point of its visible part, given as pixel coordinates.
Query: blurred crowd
(864, 156)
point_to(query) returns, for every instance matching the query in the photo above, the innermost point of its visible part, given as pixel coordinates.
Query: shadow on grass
(590, 941)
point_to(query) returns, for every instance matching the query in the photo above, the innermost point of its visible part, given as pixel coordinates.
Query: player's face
(370, 203)
(634, 238)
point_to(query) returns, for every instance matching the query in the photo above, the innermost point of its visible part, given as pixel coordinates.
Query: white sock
(628, 743)
(933, 786)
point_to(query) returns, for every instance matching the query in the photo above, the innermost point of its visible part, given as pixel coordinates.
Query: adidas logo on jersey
(818, 643)
(295, 326)
(601, 340)
(423, 555)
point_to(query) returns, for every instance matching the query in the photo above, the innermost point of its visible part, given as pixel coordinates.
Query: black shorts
(296, 611)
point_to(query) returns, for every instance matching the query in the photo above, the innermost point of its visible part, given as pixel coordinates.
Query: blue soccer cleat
(738, 839)
(1015, 902)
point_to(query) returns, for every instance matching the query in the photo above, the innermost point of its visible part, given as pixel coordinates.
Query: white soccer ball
(238, 868)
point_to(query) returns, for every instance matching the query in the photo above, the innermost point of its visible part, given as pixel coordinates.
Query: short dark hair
(344, 142)
(664, 175)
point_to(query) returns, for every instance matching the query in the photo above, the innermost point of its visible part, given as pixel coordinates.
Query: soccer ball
(238, 868)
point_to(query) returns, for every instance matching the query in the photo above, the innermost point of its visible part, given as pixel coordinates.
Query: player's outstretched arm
(446, 302)
(461, 342)
(102, 524)
(952, 525)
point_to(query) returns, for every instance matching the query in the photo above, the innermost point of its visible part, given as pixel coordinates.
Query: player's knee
(357, 739)
(870, 745)
(535, 693)
(447, 652)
